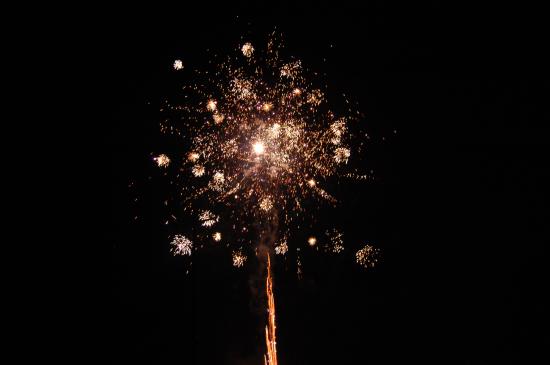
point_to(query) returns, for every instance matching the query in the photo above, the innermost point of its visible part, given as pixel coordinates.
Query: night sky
(451, 99)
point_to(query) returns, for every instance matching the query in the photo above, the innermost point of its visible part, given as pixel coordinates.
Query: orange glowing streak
(271, 357)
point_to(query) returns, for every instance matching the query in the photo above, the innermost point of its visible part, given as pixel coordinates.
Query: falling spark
(162, 160)
(217, 236)
(270, 358)
(367, 256)
(181, 245)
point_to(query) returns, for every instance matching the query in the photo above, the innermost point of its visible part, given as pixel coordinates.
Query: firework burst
(367, 256)
(260, 144)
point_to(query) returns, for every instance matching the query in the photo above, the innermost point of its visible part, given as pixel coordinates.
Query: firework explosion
(260, 144)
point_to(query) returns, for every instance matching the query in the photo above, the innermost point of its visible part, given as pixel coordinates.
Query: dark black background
(458, 207)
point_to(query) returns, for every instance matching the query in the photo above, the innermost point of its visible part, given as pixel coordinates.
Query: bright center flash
(258, 147)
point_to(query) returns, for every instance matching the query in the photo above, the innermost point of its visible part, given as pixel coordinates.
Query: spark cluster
(261, 144)
(181, 245)
(367, 256)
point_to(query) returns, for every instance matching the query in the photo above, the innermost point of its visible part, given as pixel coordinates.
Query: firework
(336, 239)
(181, 245)
(282, 248)
(247, 50)
(260, 142)
(208, 219)
(178, 65)
(162, 160)
(238, 259)
(367, 256)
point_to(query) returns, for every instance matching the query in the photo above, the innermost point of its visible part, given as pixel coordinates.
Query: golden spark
(247, 50)
(162, 160)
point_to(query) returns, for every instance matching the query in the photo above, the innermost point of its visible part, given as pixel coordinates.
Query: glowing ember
(217, 236)
(312, 241)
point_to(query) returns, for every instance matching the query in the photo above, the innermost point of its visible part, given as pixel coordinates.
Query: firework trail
(270, 358)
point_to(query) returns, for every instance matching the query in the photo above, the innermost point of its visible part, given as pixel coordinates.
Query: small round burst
(267, 107)
(211, 105)
(162, 160)
(341, 155)
(296, 92)
(218, 118)
(217, 236)
(247, 49)
(266, 204)
(338, 129)
(208, 219)
(336, 239)
(312, 241)
(367, 256)
(315, 97)
(193, 156)
(198, 170)
(181, 245)
(311, 182)
(281, 248)
(238, 259)
(178, 65)
(218, 180)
